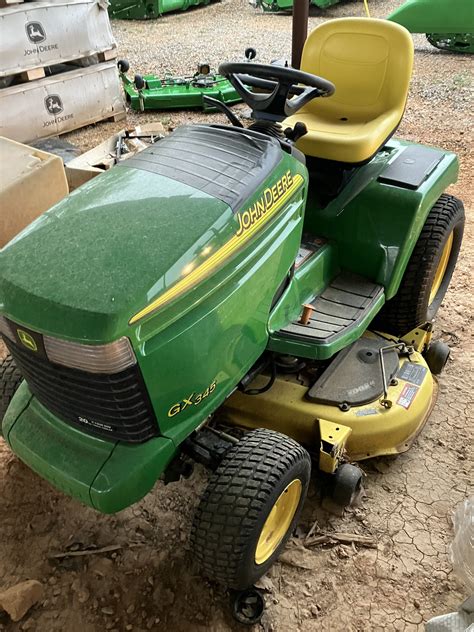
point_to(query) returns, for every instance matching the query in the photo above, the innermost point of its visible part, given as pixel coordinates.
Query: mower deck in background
(148, 9)
(148, 92)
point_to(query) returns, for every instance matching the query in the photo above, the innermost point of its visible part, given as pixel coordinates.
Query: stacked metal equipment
(57, 67)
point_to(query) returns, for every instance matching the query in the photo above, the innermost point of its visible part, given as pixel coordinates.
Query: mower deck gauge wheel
(436, 356)
(347, 484)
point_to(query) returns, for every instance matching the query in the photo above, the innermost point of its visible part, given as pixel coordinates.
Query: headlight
(110, 358)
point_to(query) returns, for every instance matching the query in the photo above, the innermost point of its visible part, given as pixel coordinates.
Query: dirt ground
(149, 582)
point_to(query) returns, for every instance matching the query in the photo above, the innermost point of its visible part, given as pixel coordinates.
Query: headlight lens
(110, 358)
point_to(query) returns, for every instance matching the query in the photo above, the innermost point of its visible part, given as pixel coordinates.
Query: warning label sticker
(414, 373)
(365, 412)
(407, 395)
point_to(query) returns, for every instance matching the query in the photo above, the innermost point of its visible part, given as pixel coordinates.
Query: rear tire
(415, 304)
(10, 380)
(250, 508)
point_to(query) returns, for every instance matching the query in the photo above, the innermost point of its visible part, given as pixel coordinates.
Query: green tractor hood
(87, 265)
(157, 225)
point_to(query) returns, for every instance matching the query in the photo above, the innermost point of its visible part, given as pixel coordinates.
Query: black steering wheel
(280, 82)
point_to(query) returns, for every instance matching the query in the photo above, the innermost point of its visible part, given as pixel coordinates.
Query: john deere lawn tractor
(259, 299)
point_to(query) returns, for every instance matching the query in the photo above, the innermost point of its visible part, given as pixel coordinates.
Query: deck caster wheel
(436, 356)
(123, 65)
(139, 82)
(247, 606)
(347, 484)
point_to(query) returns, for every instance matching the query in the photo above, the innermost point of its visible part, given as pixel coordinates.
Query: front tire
(429, 270)
(10, 380)
(250, 508)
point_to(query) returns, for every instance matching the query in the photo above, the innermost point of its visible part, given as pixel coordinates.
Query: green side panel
(194, 351)
(107, 476)
(376, 225)
(439, 16)
(81, 270)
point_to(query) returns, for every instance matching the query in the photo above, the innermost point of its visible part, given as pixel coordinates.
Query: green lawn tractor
(448, 24)
(148, 92)
(148, 9)
(259, 299)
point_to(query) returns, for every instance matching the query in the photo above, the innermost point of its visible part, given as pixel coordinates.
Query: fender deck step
(341, 314)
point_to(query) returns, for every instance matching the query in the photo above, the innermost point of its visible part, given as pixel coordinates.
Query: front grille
(109, 406)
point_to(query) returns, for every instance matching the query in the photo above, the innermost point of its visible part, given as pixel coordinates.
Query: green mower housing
(148, 9)
(135, 306)
(171, 93)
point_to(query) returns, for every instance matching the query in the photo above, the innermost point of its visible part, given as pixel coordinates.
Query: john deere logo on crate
(27, 340)
(37, 35)
(53, 104)
(35, 32)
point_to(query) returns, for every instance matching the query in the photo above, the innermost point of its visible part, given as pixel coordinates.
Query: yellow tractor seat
(370, 62)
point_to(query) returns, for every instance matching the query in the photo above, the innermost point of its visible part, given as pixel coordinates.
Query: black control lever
(222, 107)
(297, 132)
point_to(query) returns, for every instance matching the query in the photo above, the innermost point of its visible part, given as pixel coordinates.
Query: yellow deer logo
(27, 340)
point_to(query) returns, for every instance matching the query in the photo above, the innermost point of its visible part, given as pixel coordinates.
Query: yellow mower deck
(363, 431)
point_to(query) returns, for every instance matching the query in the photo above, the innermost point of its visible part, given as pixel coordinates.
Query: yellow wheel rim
(278, 521)
(441, 269)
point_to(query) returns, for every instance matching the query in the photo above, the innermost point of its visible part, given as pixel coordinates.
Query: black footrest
(343, 305)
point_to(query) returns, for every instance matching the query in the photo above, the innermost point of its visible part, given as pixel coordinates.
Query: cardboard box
(32, 181)
(61, 103)
(37, 34)
(104, 156)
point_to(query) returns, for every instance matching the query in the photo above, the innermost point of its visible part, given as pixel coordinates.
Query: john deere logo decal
(27, 340)
(35, 32)
(53, 104)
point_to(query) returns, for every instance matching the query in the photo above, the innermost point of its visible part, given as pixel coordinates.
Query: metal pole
(300, 30)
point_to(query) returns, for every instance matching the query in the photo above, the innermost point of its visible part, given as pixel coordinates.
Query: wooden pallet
(32, 74)
(8, 3)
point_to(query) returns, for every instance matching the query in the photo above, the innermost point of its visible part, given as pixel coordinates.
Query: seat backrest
(369, 61)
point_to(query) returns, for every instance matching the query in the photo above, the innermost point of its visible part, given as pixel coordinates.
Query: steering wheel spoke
(286, 89)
